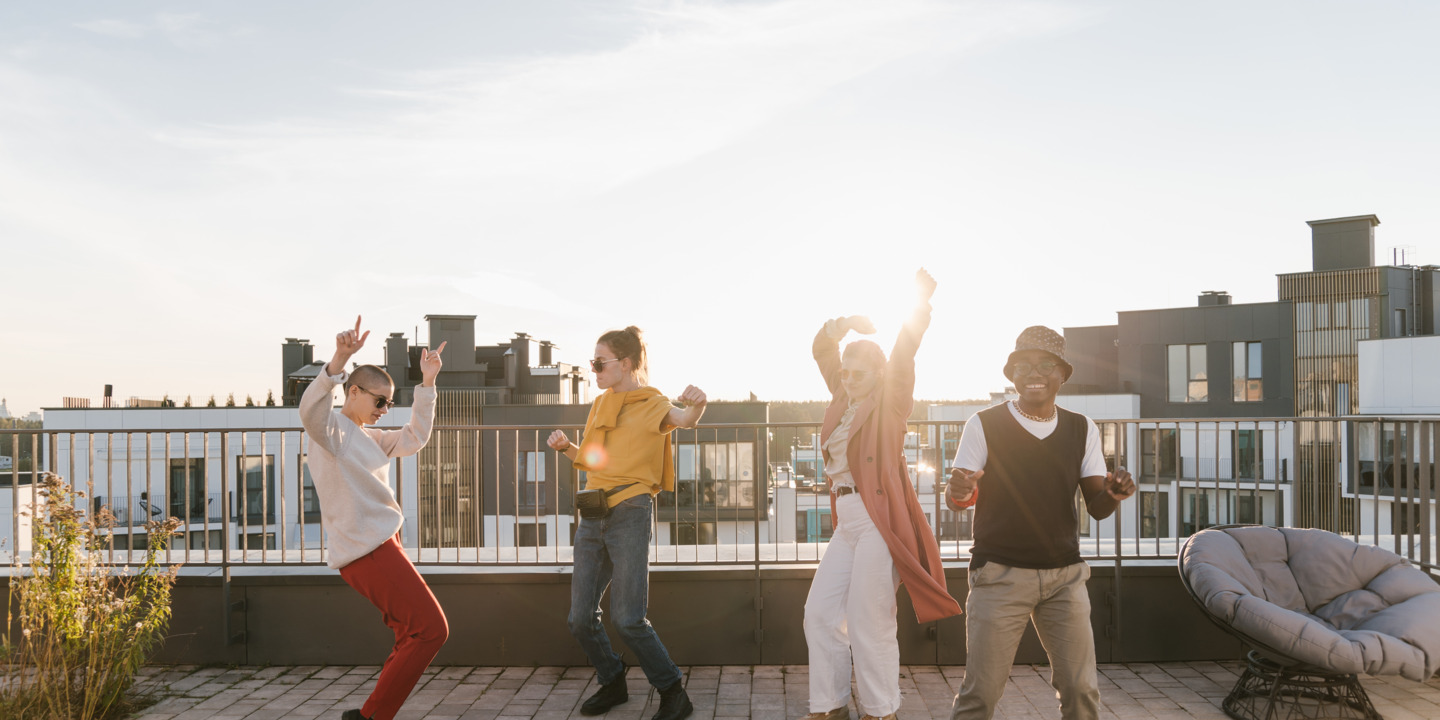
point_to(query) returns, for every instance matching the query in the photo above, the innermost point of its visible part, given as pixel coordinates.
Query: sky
(183, 185)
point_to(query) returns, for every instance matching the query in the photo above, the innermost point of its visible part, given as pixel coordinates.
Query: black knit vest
(1025, 516)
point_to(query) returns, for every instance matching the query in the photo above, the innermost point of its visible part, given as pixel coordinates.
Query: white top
(351, 468)
(837, 468)
(973, 452)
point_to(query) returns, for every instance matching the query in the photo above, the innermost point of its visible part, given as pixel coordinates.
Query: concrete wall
(706, 617)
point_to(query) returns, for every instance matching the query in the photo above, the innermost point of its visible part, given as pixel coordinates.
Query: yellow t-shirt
(625, 444)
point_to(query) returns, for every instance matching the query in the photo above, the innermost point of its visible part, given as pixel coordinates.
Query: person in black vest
(1025, 564)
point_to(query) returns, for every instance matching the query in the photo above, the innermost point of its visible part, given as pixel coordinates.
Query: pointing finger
(357, 324)
(441, 348)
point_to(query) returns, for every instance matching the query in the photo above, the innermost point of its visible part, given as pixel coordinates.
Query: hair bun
(637, 332)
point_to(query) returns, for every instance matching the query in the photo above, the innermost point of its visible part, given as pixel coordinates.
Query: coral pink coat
(877, 462)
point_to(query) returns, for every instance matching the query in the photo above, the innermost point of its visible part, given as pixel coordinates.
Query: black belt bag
(595, 504)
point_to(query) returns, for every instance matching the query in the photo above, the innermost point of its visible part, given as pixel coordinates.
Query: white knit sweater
(351, 468)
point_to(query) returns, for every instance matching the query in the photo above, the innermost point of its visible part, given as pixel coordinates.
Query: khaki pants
(1002, 599)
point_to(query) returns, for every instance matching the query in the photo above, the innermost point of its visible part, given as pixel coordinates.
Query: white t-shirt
(973, 452)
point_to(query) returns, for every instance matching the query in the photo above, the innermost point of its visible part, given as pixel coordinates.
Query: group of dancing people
(1018, 464)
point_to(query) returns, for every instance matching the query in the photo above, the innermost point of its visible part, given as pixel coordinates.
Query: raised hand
(1119, 484)
(860, 324)
(692, 396)
(924, 285)
(430, 364)
(349, 342)
(558, 441)
(963, 483)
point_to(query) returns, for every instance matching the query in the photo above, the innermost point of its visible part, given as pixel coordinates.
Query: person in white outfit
(350, 464)
(882, 537)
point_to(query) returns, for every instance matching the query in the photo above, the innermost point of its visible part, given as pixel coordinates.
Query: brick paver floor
(1164, 691)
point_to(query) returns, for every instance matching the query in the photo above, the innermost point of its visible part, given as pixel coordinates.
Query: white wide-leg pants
(852, 607)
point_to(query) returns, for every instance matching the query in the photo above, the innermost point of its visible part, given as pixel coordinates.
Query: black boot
(674, 703)
(352, 715)
(609, 695)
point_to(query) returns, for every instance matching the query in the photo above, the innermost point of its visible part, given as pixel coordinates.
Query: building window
(530, 535)
(1246, 371)
(257, 489)
(1154, 514)
(532, 479)
(257, 541)
(309, 501)
(187, 491)
(813, 525)
(714, 475)
(1247, 455)
(693, 533)
(1249, 509)
(1195, 511)
(1159, 453)
(956, 525)
(1186, 371)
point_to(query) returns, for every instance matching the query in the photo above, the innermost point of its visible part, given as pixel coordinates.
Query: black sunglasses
(1045, 368)
(380, 400)
(598, 364)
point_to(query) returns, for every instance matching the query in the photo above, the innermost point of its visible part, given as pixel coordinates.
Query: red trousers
(388, 579)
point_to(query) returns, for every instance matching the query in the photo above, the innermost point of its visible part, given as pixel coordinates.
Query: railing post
(231, 636)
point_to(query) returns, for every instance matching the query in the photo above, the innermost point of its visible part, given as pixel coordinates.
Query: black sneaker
(608, 696)
(674, 703)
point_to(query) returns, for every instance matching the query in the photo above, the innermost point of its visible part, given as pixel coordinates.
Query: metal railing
(746, 494)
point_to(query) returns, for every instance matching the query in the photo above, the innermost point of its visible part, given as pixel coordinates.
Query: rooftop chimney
(545, 356)
(1343, 243)
(1214, 297)
(296, 353)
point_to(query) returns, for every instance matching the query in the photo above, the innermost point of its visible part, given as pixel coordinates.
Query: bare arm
(826, 347)
(900, 369)
(687, 417)
(1104, 494)
(416, 433)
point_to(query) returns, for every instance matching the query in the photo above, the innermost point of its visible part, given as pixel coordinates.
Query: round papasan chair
(1317, 610)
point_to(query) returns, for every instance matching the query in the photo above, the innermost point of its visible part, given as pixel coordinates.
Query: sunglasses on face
(1045, 368)
(598, 364)
(857, 375)
(380, 400)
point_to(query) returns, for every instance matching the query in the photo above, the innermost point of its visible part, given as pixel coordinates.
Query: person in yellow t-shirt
(625, 451)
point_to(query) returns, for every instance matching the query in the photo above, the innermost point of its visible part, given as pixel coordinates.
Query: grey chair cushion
(1319, 599)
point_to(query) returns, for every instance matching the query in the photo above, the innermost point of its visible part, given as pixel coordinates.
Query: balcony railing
(498, 496)
(136, 510)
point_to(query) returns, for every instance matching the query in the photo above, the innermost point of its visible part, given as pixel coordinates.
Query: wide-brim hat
(1039, 337)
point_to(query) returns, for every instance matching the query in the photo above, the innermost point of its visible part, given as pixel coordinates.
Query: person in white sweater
(350, 464)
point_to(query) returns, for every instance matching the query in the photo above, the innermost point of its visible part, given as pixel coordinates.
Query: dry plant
(77, 629)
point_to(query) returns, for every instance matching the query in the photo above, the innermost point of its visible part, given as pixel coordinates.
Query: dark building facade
(1212, 360)
(1297, 357)
(521, 370)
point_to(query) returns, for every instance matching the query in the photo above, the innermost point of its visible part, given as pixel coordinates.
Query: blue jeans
(614, 552)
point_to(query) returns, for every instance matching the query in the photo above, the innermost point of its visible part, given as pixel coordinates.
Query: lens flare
(594, 457)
